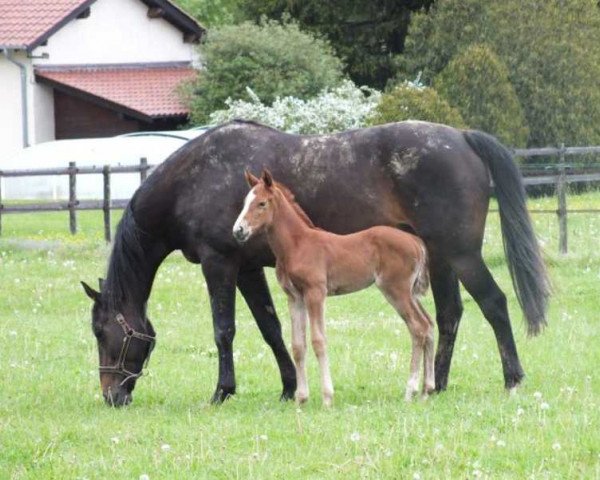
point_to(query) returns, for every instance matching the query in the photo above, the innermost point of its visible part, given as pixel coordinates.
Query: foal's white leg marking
(319, 343)
(412, 386)
(241, 221)
(298, 316)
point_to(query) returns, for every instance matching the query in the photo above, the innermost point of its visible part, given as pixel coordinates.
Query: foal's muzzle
(240, 234)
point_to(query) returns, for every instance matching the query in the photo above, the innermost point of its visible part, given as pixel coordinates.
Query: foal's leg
(428, 352)
(315, 301)
(399, 294)
(298, 317)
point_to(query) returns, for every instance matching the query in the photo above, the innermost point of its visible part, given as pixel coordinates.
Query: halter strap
(119, 367)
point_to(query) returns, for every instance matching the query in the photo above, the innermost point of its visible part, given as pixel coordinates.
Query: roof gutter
(24, 101)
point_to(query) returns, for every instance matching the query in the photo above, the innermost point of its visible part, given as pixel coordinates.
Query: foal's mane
(289, 196)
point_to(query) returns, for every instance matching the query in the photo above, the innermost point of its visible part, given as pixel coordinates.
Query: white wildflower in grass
(537, 395)
(556, 446)
(416, 476)
(544, 406)
(501, 443)
(263, 437)
(477, 473)
(165, 447)
(144, 476)
(115, 440)
(520, 411)
(355, 437)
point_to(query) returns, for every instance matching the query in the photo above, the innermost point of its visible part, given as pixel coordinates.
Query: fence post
(73, 197)
(107, 202)
(143, 169)
(561, 193)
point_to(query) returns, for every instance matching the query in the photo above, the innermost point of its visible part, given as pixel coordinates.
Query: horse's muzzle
(117, 398)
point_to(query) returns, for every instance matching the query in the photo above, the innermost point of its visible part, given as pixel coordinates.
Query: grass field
(53, 422)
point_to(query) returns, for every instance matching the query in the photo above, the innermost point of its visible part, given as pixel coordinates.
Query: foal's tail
(421, 282)
(527, 270)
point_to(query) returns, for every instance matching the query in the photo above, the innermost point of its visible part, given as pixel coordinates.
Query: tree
(550, 48)
(211, 13)
(368, 36)
(410, 102)
(272, 59)
(476, 83)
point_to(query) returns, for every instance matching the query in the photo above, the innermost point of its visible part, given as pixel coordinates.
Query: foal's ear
(251, 179)
(90, 292)
(267, 178)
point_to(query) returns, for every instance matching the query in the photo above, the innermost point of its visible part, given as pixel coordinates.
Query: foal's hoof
(221, 394)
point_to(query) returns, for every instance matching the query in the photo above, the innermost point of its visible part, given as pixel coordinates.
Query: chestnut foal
(313, 263)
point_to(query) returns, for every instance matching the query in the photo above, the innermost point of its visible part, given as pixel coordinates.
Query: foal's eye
(262, 204)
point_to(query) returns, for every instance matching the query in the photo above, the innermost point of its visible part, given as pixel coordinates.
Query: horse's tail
(421, 281)
(527, 269)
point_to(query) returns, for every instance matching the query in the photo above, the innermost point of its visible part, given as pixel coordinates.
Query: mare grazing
(313, 264)
(430, 178)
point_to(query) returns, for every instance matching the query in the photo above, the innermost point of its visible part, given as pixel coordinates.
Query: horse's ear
(251, 179)
(90, 292)
(267, 178)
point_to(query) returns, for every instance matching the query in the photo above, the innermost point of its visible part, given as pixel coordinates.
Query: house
(91, 68)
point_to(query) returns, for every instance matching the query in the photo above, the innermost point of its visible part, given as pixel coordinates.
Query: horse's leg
(315, 300)
(220, 273)
(448, 306)
(253, 286)
(298, 316)
(477, 279)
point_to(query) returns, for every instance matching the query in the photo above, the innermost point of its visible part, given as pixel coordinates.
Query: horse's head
(125, 341)
(258, 207)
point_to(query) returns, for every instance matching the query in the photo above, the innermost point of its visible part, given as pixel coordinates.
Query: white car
(122, 150)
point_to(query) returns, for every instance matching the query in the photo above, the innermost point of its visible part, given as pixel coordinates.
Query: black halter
(130, 333)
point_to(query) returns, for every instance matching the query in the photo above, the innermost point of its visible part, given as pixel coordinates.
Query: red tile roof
(149, 91)
(23, 23)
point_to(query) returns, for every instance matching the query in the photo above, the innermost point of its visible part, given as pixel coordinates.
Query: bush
(415, 102)
(273, 59)
(333, 110)
(476, 83)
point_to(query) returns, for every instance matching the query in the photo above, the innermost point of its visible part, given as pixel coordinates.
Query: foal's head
(257, 213)
(124, 346)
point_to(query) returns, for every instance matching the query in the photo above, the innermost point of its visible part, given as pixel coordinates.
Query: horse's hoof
(221, 395)
(286, 395)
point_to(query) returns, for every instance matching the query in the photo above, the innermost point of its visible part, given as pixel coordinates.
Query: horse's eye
(262, 204)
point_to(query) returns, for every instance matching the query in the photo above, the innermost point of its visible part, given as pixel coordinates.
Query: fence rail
(560, 178)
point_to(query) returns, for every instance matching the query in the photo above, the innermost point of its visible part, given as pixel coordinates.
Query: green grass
(53, 423)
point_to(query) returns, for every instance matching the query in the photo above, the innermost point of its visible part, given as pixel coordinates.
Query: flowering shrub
(333, 110)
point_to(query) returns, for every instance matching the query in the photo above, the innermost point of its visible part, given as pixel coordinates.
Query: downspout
(24, 103)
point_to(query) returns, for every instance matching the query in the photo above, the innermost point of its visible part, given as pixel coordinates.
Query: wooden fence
(559, 175)
(106, 204)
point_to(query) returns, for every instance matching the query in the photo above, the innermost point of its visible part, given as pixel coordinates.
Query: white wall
(117, 31)
(11, 126)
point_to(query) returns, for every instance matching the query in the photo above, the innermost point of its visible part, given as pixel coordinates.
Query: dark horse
(429, 178)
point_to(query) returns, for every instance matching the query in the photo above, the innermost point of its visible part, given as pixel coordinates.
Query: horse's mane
(126, 267)
(289, 196)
